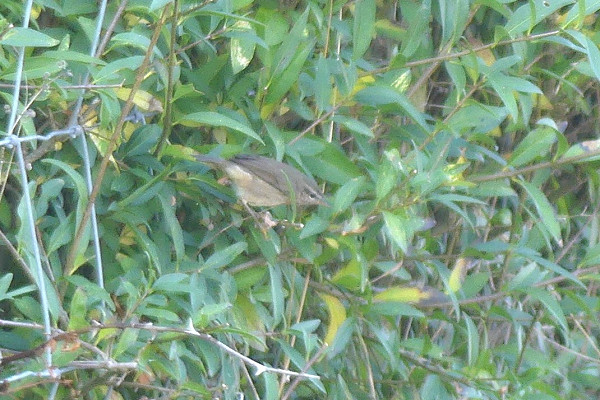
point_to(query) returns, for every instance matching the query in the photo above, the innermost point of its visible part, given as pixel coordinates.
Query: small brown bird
(261, 181)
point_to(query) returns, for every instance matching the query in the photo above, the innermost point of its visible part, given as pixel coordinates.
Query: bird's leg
(250, 210)
(264, 220)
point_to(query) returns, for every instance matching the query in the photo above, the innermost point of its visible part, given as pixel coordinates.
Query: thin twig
(64, 87)
(171, 64)
(189, 331)
(286, 362)
(478, 49)
(532, 168)
(17, 257)
(306, 368)
(315, 123)
(70, 263)
(111, 28)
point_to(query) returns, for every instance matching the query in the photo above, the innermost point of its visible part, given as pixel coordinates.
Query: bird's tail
(211, 160)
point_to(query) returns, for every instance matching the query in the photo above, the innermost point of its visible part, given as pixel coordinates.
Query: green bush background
(458, 259)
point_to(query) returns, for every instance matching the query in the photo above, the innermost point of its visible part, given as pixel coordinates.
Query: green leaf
(452, 197)
(552, 305)
(225, 256)
(478, 118)
(514, 83)
(35, 68)
(290, 42)
(593, 55)
(157, 4)
(542, 261)
(269, 248)
(380, 95)
(346, 195)
(314, 226)
(527, 276)
(531, 13)
(5, 285)
(242, 47)
(195, 387)
(458, 76)
(396, 228)
(160, 314)
(141, 141)
(419, 17)
(209, 313)
(126, 341)
(472, 340)
(276, 26)
(250, 320)
(49, 191)
(276, 283)
(433, 388)
(78, 310)
(172, 223)
(271, 385)
(133, 39)
(144, 192)
(363, 28)
(69, 55)
(110, 70)
(215, 119)
(492, 189)
(394, 309)
(324, 160)
(544, 209)
(576, 13)
(282, 82)
(27, 37)
(506, 95)
(454, 15)
(354, 125)
(592, 256)
(387, 174)
(299, 361)
(93, 290)
(322, 83)
(147, 245)
(82, 194)
(350, 275)
(171, 283)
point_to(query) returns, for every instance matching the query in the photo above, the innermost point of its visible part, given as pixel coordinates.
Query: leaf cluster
(455, 141)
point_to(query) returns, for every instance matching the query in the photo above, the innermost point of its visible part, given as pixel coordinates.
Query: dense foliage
(455, 140)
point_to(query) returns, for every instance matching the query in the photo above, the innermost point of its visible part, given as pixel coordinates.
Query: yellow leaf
(337, 315)
(485, 54)
(127, 237)
(362, 83)
(142, 99)
(178, 151)
(334, 244)
(426, 296)
(458, 275)
(401, 294)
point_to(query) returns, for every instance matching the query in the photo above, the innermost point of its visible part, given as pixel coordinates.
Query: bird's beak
(324, 202)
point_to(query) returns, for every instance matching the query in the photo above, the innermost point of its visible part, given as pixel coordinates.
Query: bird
(264, 182)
